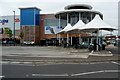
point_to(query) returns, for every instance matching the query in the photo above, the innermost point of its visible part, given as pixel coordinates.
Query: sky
(109, 8)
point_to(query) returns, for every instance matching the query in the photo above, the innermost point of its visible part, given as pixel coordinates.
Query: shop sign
(17, 20)
(4, 21)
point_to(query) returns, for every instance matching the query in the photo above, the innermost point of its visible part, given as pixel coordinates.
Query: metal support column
(97, 40)
(67, 33)
(14, 27)
(79, 32)
(59, 29)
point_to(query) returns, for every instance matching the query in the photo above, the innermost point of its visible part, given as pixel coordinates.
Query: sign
(52, 29)
(4, 21)
(17, 20)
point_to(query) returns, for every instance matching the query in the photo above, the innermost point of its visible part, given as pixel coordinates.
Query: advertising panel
(52, 29)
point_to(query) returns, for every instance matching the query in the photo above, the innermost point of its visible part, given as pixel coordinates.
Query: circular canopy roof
(78, 6)
(65, 12)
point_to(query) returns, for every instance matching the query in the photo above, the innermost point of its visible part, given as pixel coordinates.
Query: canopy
(77, 26)
(68, 27)
(98, 24)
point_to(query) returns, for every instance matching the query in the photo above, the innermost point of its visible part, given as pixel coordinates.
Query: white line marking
(112, 70)
(2, 76)
(87, 73)
(47, 64)
(95, 72)
(116, 63)
(4, 62)
(49, 74)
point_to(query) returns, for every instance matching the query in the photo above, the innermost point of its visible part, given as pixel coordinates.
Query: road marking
(94, 72)
(116, 63)
(47, 64)
(29, 63)
(87, 73)
(112, 70)
(50, 74)
(2, 76)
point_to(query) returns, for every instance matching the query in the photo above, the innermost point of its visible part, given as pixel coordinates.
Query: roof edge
(72, 5)
(31, 8)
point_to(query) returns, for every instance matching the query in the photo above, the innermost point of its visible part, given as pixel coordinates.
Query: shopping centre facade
(38, 27)
(32, 32)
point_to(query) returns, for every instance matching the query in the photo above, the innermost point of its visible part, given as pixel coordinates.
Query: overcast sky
(109, 8)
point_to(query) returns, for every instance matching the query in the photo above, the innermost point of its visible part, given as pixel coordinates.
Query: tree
(9, 32)
(21, 36)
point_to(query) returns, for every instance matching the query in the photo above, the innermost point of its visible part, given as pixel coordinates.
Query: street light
(14, 26)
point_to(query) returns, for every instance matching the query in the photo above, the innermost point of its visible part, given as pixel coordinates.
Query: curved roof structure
(66, 28)
(64, 13)
(77, 26)
(78, 6)
(98, 24)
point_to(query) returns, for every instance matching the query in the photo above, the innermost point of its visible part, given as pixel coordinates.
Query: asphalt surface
(61, 70)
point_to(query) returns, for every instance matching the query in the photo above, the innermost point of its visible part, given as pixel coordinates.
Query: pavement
(54, 54)
(49, 51)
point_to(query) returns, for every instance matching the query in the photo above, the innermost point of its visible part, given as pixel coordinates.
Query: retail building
(38, 28)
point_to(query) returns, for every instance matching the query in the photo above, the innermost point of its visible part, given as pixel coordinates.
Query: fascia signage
(17, 20)
(4, 21)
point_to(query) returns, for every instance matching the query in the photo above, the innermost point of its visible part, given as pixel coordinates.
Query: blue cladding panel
(37, 17)
(27, 16)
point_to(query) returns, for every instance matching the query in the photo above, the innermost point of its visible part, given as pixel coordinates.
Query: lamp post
(14, 27)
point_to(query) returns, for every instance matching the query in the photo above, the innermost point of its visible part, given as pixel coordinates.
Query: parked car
(50, 42)
(4, 42)
(85, 44)
(11, 42)
(29, 43)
